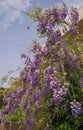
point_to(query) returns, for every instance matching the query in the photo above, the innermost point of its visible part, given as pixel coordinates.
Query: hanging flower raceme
(76, 108)
(63, 13)
(2, 116)
(59, 94)
(74, 20)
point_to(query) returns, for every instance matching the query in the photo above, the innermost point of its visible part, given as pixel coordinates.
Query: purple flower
(4, 99)
(35, 82)
(23, 55)
(10, 95)
(9, 107)
(16, 106)
(2, 116)
(49, 30)
(59, 93)
(45, 52)
(60, 68)
(54, 85)
(75, 60)
(49, 70)
(20, 92)
(46, 73)
(25, 105)
(42, 24)
(37, 61)
(54, 11)
(63, 13)
(57, 57)
(34, 79)
(37, 95)
(55, 36)
(36, 48)
(48, 79)
(46, 90)
(48, 45)
(74, 20)
(27, 120)
(74, 14)
(75, 108)
(27, 112)
(58, 35)
(23, 75)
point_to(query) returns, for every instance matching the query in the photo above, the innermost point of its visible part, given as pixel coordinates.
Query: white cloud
(75, 3)
(70, 3)
(9, 15)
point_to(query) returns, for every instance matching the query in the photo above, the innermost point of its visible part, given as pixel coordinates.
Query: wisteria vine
(51, 80)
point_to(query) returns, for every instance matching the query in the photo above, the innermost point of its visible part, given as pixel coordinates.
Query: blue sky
(14, 35)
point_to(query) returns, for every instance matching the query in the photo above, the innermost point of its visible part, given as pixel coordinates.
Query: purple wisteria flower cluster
(51, 74)
(74, 20)
(2, 116)
(76, 108)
